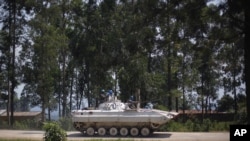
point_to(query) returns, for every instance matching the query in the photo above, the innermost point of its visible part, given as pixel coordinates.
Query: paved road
(157, 136)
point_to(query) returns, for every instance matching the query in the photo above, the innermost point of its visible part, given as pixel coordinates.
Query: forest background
(180, 55)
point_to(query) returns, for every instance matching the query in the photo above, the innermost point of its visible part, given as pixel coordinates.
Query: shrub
(53, 132)
(66, 124)
(189, 125)
(174, 126)
(4, 124)
(206, 125)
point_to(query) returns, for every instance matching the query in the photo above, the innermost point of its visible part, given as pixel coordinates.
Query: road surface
(157, 136)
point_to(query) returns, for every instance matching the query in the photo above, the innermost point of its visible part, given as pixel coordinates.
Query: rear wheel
(123, 131)
(90, 131)
(102, 131)
(113, 131)
(134, 131)
(145, 131)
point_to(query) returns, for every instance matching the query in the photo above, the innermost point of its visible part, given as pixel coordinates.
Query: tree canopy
(180, 55)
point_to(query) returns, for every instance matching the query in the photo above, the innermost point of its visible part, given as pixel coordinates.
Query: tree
(42, 70)
(12, 24)
(225, 104)
(238, 17)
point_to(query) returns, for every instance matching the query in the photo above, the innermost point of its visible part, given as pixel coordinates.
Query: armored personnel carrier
(115, 118)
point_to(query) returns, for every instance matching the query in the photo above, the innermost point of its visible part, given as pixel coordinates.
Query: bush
(21, 125)
(173, 126)
(66, 124)
(195, 125)
(4, 124)
(53, 132)
(189, 125)
(206, 125)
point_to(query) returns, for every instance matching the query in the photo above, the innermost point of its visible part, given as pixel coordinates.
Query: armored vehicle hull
(115, 118)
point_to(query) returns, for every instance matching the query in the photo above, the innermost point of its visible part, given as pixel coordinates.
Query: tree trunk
(13, 43)
(43, 110)
(169, 79)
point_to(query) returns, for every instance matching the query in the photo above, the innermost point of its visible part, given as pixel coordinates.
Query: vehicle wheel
(145, 131)
(102, 131)
(77, 125)
(134, 131)
(90, 131)
(83, 131)
(123, 131)
(113, 131)
(155, 125)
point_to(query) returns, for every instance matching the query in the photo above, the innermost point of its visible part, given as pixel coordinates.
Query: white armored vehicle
(114, 117)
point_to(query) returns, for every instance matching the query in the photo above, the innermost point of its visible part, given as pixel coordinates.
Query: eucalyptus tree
(168, 32)
(83, 44)
(197, 49)
(232, 69)
(88, 28)
(150, 14)
(62, 17)
(12, 24)
(12, 50)
(133, 59)
(76, 33)
(41, 68)
(237, 36)
(107, 49)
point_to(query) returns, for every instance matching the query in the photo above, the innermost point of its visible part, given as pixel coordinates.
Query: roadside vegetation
(182, 55)
(56, 130)
(190, 125)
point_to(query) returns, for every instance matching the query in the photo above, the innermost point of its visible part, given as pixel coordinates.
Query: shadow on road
(79, 135)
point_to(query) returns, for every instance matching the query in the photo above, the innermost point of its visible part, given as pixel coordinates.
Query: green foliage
(3, 124)
(54, 129)
(161, 107)
(196, 126)
(241, 118)
(225, 103)
(27, 124)
(174, 126)
(155, 46)
(66, 124)
(21, 125)
(53, 132)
